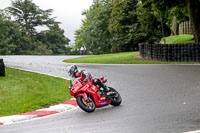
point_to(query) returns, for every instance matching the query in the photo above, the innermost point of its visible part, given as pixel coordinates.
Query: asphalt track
(156, 99)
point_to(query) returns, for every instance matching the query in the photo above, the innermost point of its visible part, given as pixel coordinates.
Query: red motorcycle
(90, 96)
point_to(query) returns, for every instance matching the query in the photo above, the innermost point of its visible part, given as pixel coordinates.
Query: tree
(94, 33)
(22, 31)
(13, 38)
(150, 24)
(124, 26)
(79, 41)
(54, 40)
(193, 12)
(7, 31)
(29, 15)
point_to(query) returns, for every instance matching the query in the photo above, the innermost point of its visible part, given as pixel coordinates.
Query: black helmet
(72, 70)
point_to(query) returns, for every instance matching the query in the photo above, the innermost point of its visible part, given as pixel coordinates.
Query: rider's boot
(110, 93)
(107, 90)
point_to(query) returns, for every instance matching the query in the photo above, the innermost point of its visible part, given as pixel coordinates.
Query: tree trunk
(174, 26)
(194, 15)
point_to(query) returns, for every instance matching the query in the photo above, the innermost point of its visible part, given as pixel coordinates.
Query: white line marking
(197, 131)
(39, 72)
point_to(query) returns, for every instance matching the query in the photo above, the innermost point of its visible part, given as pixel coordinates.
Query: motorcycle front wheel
(87, 106)
(116, 99)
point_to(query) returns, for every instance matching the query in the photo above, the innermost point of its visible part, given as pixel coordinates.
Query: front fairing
(86, 87)
(77, 85)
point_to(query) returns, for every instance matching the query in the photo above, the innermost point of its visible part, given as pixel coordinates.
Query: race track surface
(156, 99)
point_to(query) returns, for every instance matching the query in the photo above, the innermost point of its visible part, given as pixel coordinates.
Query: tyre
(87, 106)
(116, 99)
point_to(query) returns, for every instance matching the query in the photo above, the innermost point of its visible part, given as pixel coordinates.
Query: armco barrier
(171, 52)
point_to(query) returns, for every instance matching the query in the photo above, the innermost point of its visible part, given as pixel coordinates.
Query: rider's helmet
(72, 70)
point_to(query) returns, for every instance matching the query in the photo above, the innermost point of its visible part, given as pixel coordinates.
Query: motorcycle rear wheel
(116, 99)
(87, 106)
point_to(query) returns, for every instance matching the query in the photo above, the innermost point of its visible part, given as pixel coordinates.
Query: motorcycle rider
(84, 76)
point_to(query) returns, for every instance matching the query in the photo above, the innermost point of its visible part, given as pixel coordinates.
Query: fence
(185, 28)
(171, 52)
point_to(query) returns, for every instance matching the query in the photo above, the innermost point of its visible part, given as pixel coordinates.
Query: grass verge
(22, 91)
(185, 38)
(119, 58)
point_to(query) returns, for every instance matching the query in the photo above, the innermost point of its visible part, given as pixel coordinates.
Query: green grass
(22, 91)
(119, 58)
(185, 38)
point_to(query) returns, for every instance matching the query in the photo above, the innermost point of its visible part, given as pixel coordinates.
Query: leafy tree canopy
(19, 35)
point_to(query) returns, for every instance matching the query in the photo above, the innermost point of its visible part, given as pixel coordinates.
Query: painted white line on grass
(40, 73)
